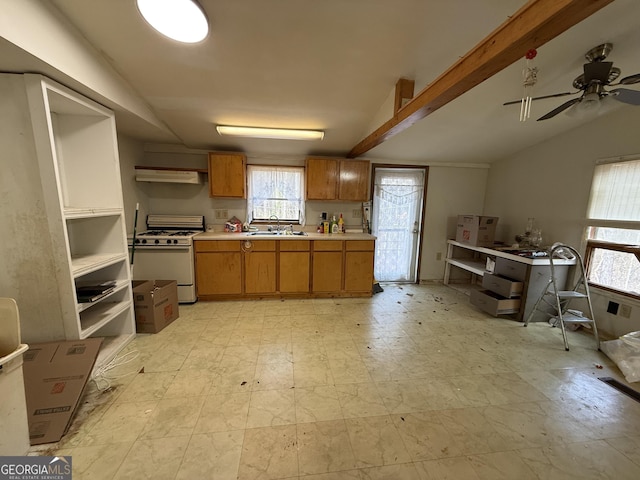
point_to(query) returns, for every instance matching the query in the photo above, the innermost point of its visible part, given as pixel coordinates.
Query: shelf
(473, 266)
(86, 212)
(465, 288)
(176, 169)
(69, 143)
(81, 265)
(120, 285)
(100, 315)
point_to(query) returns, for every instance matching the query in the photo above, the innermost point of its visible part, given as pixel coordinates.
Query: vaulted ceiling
(332, 65)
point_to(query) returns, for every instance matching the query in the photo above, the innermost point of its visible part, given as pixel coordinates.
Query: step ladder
(560, 300)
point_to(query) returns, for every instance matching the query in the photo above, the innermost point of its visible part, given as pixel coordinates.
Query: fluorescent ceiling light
(181, 20)
(275, 133)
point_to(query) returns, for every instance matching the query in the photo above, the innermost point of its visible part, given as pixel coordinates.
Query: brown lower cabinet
(218, 267)
(327, 266)
(260, 267)
(358, 265)
(294, 266)
(299, 268)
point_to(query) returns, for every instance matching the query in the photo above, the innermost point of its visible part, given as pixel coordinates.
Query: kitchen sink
(270, 234)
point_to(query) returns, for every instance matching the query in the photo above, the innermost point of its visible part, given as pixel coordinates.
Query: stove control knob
(144, 241)
(157, 241)
(168, 241)
(137, 240)
(175, 241)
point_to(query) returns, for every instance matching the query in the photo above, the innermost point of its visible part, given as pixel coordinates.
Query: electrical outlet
(222, 214)
(625, 311)
(439, 256)
(356, 213)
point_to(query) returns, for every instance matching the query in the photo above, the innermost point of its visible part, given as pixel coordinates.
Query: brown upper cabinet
(337, 179)
(354, 180)
(227, 175)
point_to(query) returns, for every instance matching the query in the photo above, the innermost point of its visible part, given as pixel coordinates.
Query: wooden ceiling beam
(537, 22)
(404, 93)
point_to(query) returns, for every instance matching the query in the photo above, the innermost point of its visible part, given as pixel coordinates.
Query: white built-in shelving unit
(76, 158)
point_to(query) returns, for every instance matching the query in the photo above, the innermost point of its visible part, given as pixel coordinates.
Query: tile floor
(413, 383)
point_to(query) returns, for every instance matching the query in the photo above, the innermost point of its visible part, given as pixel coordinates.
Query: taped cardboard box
(155, 304)
(55, 375)
(476, 230)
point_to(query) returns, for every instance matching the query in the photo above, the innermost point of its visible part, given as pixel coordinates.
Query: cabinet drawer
(261, 246)
(502, 285)
(217, 246)
(294, 245)
(327, 245)
(494, 304)
(511, 269)
(360, 245)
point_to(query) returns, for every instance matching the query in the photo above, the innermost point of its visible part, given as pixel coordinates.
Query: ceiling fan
(597, 75)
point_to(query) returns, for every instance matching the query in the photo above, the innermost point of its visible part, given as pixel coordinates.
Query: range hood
(168, 176)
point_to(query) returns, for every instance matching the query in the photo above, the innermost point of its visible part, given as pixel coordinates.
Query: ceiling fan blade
(598, 71)
(559, 109)
(630, 80)
(625, 95)
(555, 95)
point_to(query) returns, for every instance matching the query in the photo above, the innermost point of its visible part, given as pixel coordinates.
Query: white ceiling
(331, 65)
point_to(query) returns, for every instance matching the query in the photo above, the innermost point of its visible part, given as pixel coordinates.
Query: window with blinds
(613, 245)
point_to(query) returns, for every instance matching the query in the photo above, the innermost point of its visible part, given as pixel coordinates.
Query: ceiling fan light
(607, 104)
(590, 103)
(181, 20)
(272, 133)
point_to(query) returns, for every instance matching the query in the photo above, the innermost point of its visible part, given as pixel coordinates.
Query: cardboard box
(476, 230)
(55, 375)
(155, 304)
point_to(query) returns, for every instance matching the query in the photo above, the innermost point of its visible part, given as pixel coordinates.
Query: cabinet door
(227, 175)
(260, 272)
(327, 271)
(358, 266)
(294, 272)
(219, 273)
(321, 178)
(354, 180)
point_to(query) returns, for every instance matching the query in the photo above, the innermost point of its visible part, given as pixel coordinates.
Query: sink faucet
(277, 221)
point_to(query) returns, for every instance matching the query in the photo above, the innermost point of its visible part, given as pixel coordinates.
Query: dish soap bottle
(334, 225)
(341, 224)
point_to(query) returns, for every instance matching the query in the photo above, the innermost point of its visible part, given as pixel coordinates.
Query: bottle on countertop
(334, 225)
(341, 224)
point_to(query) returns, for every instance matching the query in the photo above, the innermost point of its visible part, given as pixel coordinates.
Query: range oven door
(171, 263)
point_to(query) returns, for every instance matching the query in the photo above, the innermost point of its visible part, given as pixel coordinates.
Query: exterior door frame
(425, 169)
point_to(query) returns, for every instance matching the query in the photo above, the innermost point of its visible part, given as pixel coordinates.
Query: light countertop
(308, 236)
(517, 258)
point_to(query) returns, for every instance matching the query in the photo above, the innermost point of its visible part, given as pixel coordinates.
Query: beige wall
(131, 152)
(451, 191)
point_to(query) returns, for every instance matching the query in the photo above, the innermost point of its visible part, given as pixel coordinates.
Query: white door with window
(398, 196)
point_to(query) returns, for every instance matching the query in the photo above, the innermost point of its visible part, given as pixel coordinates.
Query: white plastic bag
(625, 352)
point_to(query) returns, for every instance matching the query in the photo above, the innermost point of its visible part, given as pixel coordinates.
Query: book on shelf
(93, 292)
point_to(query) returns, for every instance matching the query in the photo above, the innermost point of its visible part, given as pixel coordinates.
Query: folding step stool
(560, 300)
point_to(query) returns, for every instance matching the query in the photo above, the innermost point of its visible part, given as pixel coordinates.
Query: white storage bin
(13, 405)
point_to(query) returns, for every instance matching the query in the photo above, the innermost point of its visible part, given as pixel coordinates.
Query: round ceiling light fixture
(181, 20)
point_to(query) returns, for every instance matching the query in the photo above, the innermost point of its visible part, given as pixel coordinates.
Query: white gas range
(165, 252)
